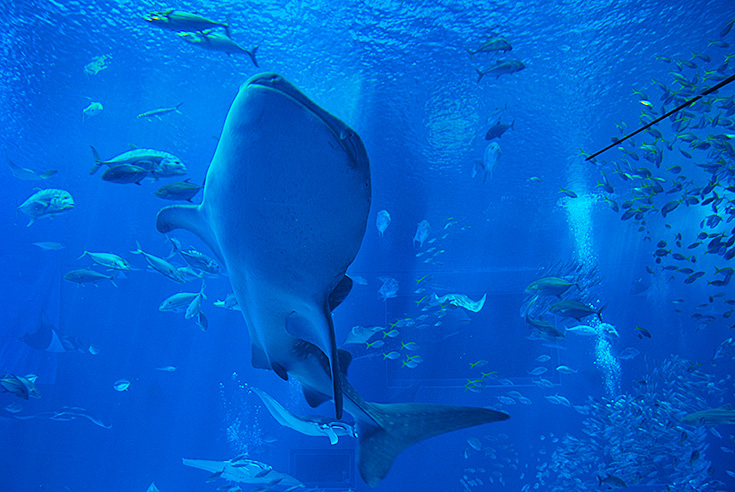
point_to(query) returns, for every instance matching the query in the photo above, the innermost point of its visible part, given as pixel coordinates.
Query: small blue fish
(382, 221)
(422, 232)
(568, 193)
(389, 288)
(49, 246)
(121, 385)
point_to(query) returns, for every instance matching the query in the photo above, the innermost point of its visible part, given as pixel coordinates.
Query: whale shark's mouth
(347, 137)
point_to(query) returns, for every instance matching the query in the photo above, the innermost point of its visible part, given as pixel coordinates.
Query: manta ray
(243, 470)
(285, 208)
(310, 425)
(48, 339)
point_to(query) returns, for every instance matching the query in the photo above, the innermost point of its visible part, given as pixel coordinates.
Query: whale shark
(286, 202)
(310, 425)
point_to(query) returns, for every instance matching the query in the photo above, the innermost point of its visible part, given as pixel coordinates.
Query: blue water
(399, 75)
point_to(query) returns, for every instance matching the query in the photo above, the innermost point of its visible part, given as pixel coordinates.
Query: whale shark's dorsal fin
(191, 218)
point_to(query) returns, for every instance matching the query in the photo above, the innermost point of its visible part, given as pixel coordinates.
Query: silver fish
(87, 276)
(160, 164)
(125, 174)
(501, 68)
(215, 41)
(157, 113)
(422, 232)
(160, 265)
(46, 203)
(179, 20)
(108, 260)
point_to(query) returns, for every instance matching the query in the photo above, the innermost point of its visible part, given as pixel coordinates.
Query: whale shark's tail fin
(391, 428)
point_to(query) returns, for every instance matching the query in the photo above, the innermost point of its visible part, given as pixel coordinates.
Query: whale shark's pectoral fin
(188, 217)
(319, 331)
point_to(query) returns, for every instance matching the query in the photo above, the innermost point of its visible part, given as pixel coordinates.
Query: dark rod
(681, 106)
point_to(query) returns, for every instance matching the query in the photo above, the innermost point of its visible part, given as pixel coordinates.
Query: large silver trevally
(178, 190)
(125, 174)
(382, 221)
(423, 229)
(93, 109)
(160, 265)
(177, 302)
(179, 20)
(88, 276)
(46, 203)
(490, 45)
(504, 67)
(195, 259)
(157, 113)
(489, 161)
(108, 260)
(215, 41)
(491, 157)
(160, 164)
(285, 208)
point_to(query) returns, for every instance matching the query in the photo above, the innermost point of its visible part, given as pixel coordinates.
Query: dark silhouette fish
(491, 45)
(497, 130)
(501, 68)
